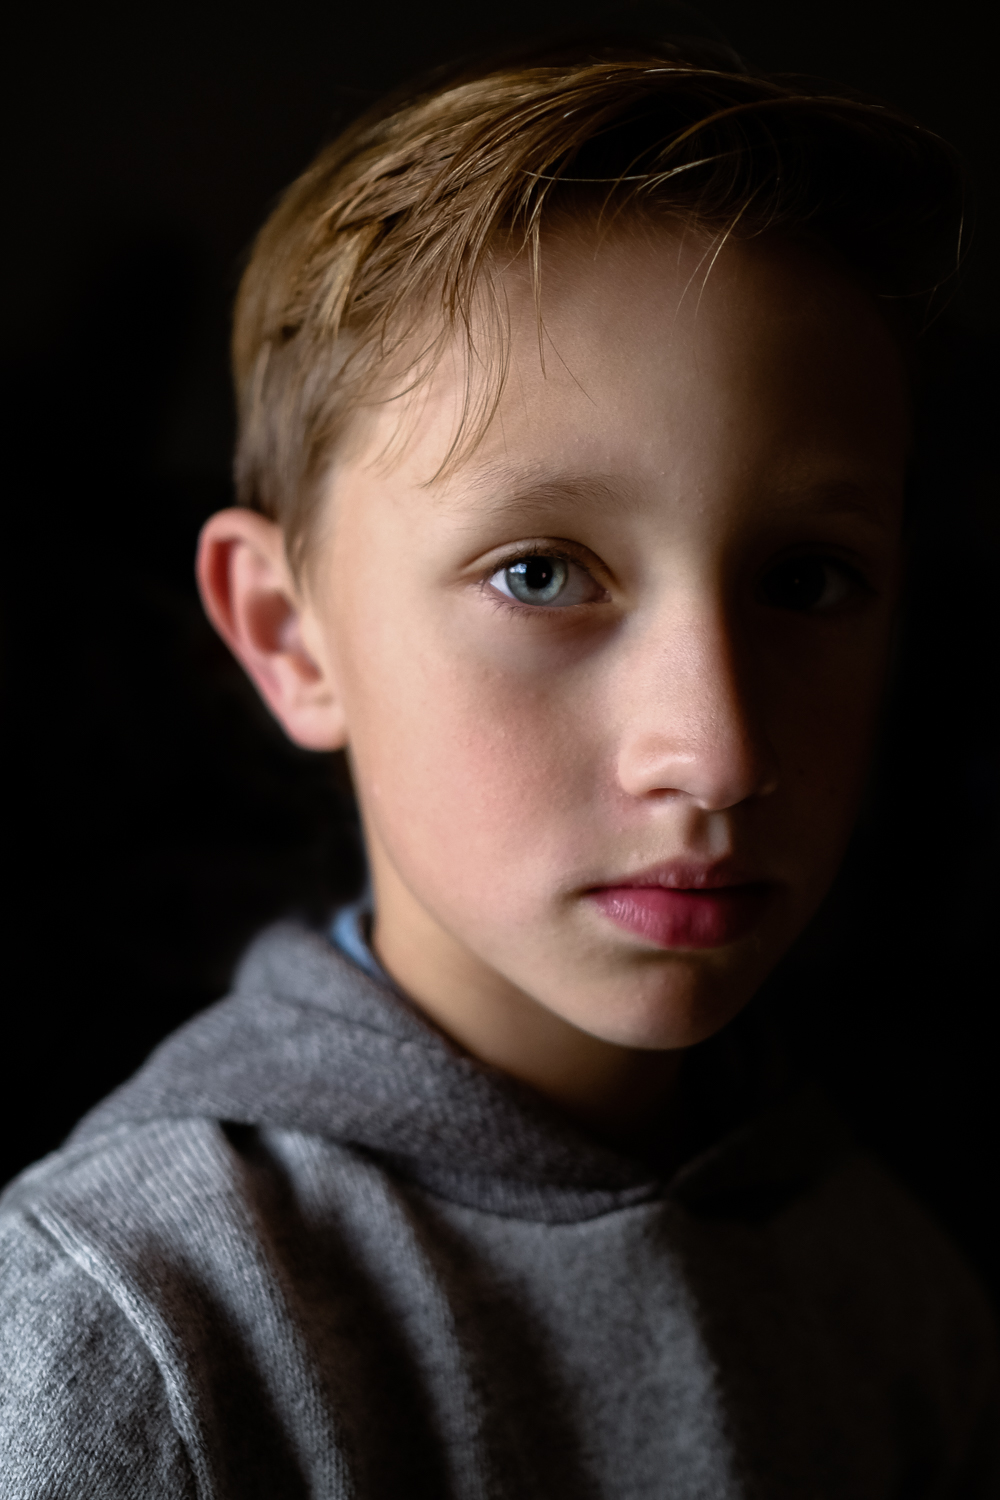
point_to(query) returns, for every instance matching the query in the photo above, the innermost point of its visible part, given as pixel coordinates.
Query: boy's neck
(623, 1096)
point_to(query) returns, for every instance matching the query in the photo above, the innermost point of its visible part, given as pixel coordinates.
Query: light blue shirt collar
(349, 934)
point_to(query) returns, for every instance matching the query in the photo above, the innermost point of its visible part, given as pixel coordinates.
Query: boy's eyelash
(540, 551)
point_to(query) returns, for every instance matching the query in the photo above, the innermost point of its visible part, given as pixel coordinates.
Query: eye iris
(537, 580)
(798, 585)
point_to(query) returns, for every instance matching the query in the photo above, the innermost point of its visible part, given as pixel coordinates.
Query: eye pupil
(799, 584)
(538, 572)
(537, 580)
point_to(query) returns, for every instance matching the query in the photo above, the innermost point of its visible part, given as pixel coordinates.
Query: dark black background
(155, 817)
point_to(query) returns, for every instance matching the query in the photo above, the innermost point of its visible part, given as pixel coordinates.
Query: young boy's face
(610, 685)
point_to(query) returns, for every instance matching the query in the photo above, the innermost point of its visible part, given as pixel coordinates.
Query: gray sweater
(311, 1249)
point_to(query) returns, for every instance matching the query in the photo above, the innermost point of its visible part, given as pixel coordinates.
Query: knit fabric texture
(313, 1249)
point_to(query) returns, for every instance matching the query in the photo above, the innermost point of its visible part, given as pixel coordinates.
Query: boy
(574, 420)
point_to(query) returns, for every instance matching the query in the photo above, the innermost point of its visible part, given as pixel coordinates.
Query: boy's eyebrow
(510, 490)
(870, 504)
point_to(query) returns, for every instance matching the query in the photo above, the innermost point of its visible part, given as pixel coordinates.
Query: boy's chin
(675, 1008)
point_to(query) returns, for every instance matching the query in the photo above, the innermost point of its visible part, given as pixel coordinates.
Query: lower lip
(683, 919)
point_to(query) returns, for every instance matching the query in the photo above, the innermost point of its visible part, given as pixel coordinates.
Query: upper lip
(688, 875)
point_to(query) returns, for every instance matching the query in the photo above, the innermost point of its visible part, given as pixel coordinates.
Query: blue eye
(553, 581)
(537, 580)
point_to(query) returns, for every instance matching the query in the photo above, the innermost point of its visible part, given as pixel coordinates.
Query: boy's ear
(251, 598)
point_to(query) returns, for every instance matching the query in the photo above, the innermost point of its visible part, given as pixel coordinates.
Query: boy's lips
(685, 904)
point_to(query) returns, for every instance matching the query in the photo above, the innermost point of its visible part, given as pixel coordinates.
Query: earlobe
(251, 598)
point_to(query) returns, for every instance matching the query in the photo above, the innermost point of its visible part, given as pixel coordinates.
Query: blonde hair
(374, 255)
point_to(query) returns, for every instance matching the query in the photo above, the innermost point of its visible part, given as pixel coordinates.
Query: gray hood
(308, 1042)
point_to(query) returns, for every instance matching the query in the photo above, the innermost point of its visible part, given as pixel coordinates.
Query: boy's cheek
(471, 788)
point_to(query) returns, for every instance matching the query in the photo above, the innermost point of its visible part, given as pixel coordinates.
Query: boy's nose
(692, 723)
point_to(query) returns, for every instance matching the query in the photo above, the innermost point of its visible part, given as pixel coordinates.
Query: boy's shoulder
(149, 1338)
(85, 1406)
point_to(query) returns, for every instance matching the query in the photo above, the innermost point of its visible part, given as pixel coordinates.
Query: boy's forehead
(645, 351)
